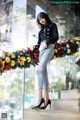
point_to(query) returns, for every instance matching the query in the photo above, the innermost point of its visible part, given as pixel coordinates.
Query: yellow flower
(1, 64)
(18, 61)
(22, 63)
(77, 38)
(23, 58)
(10, 53)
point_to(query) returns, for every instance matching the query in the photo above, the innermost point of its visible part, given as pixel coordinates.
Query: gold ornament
(12, 56)
(56, 50)
(7, 59)
(28, 59)
(68, 50)
(67, 46)
(18, 56)
(12, 63)
(54, 56)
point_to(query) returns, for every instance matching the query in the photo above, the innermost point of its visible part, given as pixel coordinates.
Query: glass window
(11, 94)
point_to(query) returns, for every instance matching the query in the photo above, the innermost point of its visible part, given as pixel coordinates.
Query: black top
(49, 33)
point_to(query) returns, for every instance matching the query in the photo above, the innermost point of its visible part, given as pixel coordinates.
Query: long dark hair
(43, 15)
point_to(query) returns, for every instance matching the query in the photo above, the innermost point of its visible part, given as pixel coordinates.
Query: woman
(48, 35)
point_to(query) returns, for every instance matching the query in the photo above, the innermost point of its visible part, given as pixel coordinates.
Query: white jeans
(41, 71)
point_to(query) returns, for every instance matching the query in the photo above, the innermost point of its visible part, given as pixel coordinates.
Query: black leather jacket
(49, 33)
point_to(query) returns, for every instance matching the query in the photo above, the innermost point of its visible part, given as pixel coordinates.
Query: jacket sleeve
(55, 33)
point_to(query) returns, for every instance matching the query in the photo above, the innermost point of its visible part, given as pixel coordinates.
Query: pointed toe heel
(38, 106)
(48, 104)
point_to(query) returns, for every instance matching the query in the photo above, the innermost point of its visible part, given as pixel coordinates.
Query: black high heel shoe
(38, 106)
(48, 103)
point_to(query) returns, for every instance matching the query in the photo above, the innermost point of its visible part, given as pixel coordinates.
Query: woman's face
(42, 21)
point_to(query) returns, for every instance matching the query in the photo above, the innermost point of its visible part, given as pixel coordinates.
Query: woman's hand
(32, 47)
(44, 45)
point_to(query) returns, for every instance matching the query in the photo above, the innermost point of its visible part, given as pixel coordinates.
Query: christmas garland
(24, 58)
